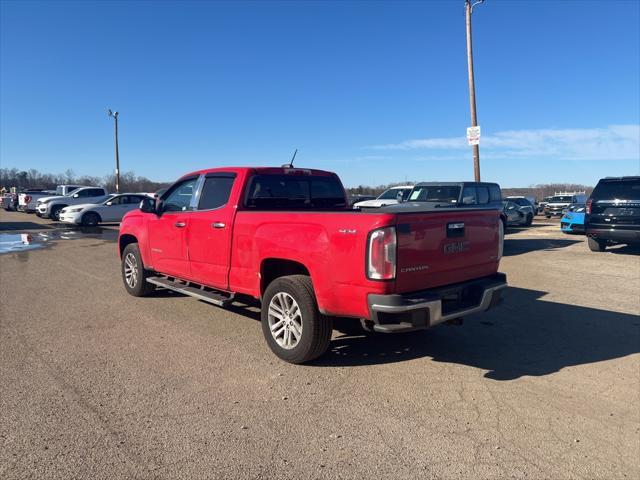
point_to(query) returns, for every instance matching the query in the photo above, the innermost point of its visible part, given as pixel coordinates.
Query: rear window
(622, 190)
(435, 193)
(293, 192)
(495, 194)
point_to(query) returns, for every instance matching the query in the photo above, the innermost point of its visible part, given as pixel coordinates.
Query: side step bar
(193, 290)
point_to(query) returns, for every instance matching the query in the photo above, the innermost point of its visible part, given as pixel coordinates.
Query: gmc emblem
(456, 247)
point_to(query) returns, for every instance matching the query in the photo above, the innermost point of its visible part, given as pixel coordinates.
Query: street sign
(473, 135)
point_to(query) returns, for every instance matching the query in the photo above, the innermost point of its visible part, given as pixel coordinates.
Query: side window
(469, 196)
(94, 192)
(216, 191)
(179, 197)
(82, 193)
(494, 193)
(117, 200)
(483, 195)
(135, 199)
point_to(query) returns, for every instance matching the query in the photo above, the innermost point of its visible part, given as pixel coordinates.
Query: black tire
(316, 328)
(139, 287)
(529, 220)
(55, 212)
(90, 219)
(596, 245)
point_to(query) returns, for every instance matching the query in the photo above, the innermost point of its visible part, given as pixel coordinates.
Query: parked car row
(75, 204)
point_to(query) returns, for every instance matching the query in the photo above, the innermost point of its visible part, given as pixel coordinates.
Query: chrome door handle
(181, 224)
(218, 225)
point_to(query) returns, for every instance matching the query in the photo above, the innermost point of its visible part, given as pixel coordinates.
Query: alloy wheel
(285, 320)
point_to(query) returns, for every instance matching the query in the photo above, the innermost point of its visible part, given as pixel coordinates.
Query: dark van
(613, 213)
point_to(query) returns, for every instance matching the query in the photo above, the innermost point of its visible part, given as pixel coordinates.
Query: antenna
(290, 164)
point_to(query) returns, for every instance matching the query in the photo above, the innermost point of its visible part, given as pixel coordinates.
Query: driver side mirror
(148, 205)
(470, 200)
(109, 204)
(76, 196)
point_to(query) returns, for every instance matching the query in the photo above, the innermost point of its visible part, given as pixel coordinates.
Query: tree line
(129, 181)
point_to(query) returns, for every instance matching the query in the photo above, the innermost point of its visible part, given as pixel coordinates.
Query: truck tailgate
(437, 248)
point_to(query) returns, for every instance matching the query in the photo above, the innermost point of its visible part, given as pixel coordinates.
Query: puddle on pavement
(20, 242)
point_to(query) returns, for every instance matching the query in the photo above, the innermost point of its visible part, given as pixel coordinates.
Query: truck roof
(264, 170)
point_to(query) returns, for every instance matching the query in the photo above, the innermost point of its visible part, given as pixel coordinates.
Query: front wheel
(55, 212)
(596, 245)
(90, 219)
(529, 220)
(134, 275)
(292, 325)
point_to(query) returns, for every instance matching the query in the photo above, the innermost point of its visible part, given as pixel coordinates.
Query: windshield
(435, 193)
(392, 194)
(561, 199)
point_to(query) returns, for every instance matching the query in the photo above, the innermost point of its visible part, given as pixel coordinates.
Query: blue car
(572, 220)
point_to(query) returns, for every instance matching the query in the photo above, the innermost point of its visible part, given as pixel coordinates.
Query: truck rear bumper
(424, 309)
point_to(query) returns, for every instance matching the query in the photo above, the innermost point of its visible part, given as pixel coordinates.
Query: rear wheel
(596, 245)
(134, 275)
(292, 325)
(90, 219)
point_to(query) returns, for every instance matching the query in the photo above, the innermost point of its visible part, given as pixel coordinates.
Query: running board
(193, 290)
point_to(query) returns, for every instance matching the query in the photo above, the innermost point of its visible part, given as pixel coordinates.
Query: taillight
(27, 199)
(588, 207)
(500, 238)
(381, 261)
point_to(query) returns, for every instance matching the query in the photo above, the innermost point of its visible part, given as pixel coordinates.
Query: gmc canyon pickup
(286, 237)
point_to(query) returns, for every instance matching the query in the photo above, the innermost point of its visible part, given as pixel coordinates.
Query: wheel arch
(273, 268)
(125, 240)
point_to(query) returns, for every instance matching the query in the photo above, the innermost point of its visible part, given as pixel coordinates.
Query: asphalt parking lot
(97, 384)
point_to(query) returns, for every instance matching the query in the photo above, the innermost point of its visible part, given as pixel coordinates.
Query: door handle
(181, 224)
(218, 225)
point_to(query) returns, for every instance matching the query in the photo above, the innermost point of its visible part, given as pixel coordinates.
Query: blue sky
(376, 91)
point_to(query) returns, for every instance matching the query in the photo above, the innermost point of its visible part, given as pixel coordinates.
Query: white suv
(50, 207)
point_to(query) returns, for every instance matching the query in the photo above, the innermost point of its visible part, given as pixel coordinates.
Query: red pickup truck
(286, 236)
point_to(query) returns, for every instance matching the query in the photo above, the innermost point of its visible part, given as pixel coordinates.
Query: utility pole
(115, 118)
(472, 88)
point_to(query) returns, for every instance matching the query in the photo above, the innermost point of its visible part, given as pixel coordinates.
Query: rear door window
(216, 191)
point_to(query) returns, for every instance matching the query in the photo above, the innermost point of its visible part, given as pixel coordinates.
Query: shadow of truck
(524, 336)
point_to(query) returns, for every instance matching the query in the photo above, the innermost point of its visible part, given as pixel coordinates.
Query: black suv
(613, 213)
